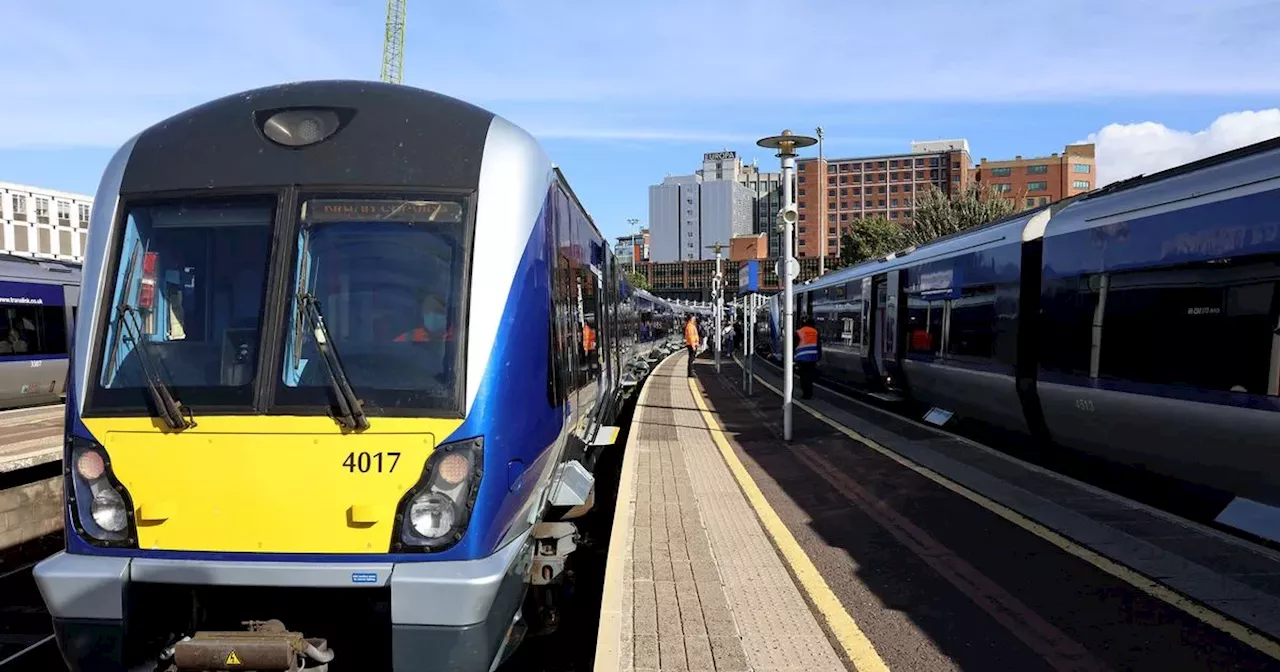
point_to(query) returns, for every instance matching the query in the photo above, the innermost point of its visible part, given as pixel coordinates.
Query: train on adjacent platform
(38, 300)
(349, 353)
(1140, 323)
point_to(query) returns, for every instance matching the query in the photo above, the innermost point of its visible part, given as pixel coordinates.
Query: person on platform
(691, 341)
(808, 352)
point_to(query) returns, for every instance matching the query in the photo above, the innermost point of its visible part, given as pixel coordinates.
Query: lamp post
(717, 299)
(786, 144)
(631, 243)
(822, 175)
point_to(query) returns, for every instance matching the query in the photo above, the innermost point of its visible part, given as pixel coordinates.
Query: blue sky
(622, 94)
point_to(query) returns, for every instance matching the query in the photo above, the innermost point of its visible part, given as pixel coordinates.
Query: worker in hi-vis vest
(808, 352)
(691, 341)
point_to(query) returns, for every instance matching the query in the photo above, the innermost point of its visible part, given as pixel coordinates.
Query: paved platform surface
(30, 436)
(909, 549)
(702, 587)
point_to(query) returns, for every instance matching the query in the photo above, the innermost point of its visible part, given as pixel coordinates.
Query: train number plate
(375, 462)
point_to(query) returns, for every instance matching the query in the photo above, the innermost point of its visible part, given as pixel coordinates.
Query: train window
(189, 284)
(1066, 324)
(973, 323)
(924, 325)
(1212, 326)
(31, 331)
(389, 277)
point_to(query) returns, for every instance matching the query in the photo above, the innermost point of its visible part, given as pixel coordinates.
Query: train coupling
(265, 645)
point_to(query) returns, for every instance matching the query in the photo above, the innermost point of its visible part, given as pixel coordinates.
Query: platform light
(299, 128)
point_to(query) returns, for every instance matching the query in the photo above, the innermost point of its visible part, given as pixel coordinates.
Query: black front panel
(390, 136)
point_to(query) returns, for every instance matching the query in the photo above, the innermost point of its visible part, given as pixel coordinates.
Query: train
(350, 352)
(1139, 323)
(38, 303)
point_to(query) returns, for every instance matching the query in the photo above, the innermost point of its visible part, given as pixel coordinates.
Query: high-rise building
(687, 213)
(1040, 180)
(833, 193)
(43, 223)
(633, 248)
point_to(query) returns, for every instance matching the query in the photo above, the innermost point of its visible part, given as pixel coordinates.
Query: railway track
(26, 634)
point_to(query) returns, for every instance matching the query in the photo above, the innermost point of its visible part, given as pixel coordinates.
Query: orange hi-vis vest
(588, 338)
(807, 347)
(421, 335)
(691, 334)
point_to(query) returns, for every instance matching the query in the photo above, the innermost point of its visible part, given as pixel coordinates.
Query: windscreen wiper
(350, 409)
(171, 410)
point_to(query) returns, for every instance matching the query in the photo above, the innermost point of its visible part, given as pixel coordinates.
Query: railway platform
(870, 542)
(30, 437)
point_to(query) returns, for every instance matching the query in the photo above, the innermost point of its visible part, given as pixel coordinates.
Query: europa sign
(719, 156)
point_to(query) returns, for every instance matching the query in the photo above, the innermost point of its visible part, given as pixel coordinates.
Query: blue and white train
(349, 353)
(1140, 323)
(38, 300)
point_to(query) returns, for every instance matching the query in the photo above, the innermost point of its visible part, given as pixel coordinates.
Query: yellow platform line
(851, 638)
(1212, 618)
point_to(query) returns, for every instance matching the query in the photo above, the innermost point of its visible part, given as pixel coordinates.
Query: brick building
(1036, 181)
(832, 193)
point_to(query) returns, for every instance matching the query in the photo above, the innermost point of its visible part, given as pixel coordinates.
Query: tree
(638, 280)
(868, 238)
(939, 215)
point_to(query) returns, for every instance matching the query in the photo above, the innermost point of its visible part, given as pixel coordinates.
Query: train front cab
(261, 495)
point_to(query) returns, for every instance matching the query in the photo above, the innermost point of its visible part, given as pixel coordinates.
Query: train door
(879, 323)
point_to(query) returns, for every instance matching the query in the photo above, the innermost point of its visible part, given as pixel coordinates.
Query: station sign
(749, 277)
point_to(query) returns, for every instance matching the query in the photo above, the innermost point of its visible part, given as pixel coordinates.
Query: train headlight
(108, 511)
(101, 508)
(433, 515)
(299, 128)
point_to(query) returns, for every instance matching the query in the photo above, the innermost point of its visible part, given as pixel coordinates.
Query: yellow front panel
(268, 484)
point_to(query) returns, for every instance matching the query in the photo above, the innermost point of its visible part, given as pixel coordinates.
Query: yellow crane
(393, 47)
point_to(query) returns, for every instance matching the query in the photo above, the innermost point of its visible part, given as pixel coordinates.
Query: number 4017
(366, 462)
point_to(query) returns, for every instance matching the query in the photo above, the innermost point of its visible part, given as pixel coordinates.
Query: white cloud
(1126, 150)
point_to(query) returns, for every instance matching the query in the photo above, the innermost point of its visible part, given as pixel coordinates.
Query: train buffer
(870, 542)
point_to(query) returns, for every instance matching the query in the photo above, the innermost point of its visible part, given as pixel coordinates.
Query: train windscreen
(388, 277)
(186, 303)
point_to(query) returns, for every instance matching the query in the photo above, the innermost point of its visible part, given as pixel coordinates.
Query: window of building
(1031, 202)
(1081, 168)
(955, 165)
(831, 217)
(831, 167)
(893, 189)
(919, 174)
(1001, 172)
(919, 162)
(64, 242)
(800, 193)
(1037, 186)
(801, 179)
(844, 204)
(893, 215)
(1080, 184)
(83, 211)
(44, 240)
(64, 213)
(802, 217)
(844, 216)
(933, 162)
(42, 210)
(881, 203)
(1044, 200)
(1001, 187)
(831, 193)
(906, 187)
(1039, 169)
(21, 238)
(19, 208)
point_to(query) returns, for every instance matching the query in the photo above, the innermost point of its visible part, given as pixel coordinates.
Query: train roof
(14, 267)
(1239, 172)
(1016, 228)
(388, 134)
